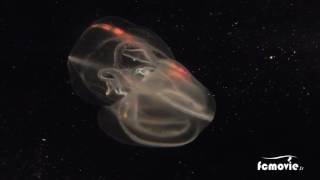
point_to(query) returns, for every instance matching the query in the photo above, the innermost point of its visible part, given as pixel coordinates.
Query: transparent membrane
(146, 96)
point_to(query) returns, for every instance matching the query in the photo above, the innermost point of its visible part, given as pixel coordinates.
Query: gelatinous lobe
(146, 96)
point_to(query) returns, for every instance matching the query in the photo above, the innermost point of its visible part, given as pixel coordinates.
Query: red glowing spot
(177, 71)
(115, 30)
(118, 31)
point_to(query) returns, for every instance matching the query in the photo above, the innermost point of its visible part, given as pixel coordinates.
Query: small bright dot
(235, 23)
(272, 57)
(44, 139)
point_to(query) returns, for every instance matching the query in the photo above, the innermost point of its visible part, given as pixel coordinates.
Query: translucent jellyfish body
(146, 96)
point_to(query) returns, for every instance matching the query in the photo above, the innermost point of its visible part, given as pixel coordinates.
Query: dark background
(259, 58)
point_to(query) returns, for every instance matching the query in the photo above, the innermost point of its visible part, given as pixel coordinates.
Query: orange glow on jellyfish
(105, 27)
(118, 31)
(115, 30)
(177, 71)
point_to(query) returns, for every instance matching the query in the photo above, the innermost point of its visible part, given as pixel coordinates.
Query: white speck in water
(271, 57)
